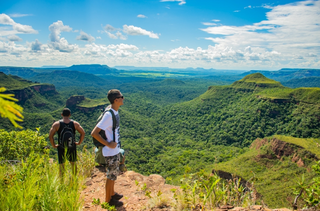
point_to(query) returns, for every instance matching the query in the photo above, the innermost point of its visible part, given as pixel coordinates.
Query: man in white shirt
(112, 146)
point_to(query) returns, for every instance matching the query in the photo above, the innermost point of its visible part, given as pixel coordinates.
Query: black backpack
(102, 132)
(67, 135)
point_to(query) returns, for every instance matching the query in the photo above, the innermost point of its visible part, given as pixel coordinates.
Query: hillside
(313, 81)
(275, 165)
(37, 100)
(256, 80)
(215, 127)
(172, 126)
(23, 72)
(13, 82)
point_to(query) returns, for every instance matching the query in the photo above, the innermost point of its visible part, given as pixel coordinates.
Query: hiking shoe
(117, 196)
(123, 168)
(115, 203)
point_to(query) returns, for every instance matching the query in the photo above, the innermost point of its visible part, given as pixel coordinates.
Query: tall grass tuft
(209, 191)
(34, 183)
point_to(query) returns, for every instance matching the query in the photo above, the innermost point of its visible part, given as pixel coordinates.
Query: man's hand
(77, 143)
(112, 144)
(55, 145)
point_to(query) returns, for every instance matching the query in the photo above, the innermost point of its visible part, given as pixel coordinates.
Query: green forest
(171, 125)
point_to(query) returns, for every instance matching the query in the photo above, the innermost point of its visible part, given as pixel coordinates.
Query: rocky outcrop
(134, 186)
(26, 93)
(74, 100)
(279, 149)
(90, 109)
(44, 89)
(22, 94)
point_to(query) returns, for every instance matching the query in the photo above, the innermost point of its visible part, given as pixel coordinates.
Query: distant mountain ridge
(125, 72)
(67, 78)
(286, 74)
(93, 68)
(313, 81)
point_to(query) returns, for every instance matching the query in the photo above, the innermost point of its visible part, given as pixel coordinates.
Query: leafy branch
(9, 109)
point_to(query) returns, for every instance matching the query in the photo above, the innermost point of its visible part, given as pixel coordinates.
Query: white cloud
(209, 24)
(266, 6)
(63, 46)
(5, 19)
(133, 30)
(85, 37)
(121, 36)
(112, 36)
(182, 2)
(57, 43)
(123, 47)
(56, 28)
(289, 28)
(36, 45)
(288, 37)
(109, 28)
(11, 48)
(14, 38)
(17, 28)
(18, 15)
(25, 29)
(141, 16)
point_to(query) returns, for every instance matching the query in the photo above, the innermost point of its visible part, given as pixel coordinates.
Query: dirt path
(134, 186)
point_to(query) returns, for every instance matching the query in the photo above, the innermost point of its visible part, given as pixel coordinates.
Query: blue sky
(216, 34)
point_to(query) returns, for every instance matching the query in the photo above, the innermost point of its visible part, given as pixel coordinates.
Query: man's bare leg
(109, 189)
(112, 191)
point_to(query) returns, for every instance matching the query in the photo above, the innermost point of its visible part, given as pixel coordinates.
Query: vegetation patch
(274, 168)
(307, 95)
(89, 103)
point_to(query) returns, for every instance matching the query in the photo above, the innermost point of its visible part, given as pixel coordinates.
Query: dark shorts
(112, 164)
(67, 154)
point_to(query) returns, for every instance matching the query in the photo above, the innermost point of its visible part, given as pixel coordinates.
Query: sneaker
(115, 203)
(123, 168)
(116, 196)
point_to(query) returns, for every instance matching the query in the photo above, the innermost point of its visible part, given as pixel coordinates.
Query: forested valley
(172, 124)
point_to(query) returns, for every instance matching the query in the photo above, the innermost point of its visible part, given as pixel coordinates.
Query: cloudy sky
(229, 34)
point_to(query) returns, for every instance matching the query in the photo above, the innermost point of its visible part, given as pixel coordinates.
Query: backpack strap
(114, 124)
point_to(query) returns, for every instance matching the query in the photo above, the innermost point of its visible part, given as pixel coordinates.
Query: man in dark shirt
(66, 152)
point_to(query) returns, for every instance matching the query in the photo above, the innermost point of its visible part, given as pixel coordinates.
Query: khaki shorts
(112, 164)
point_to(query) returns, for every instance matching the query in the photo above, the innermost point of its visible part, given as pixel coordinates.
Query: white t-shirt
(106, 124)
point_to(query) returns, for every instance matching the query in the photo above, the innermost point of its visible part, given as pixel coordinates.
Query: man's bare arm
(53, 130)
(95, 134)
(78, 127)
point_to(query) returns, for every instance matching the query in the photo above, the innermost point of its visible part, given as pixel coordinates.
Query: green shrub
(17, 145)
(34, 183)
(309, 192)
(204, 191)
